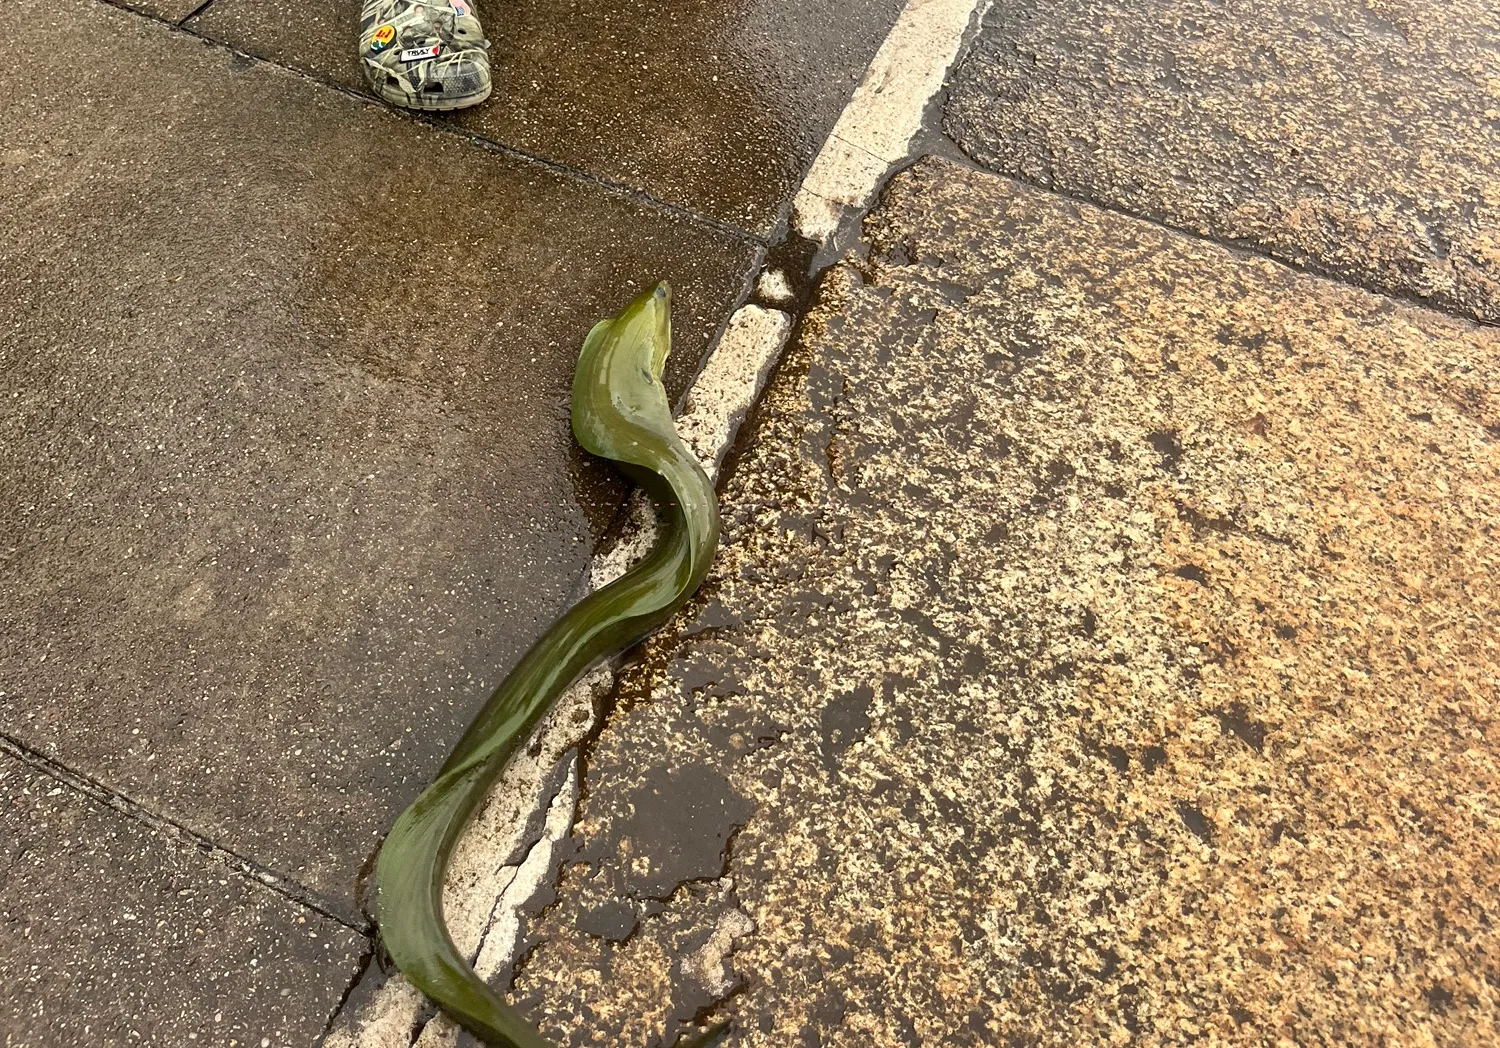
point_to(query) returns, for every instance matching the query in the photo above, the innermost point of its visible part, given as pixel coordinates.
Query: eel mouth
(662, 344)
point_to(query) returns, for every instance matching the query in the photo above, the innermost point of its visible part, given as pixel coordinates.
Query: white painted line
(484, 895)
(386, 1022)
(876, 128)
(499, 948)
(773, 286)
(730, 383)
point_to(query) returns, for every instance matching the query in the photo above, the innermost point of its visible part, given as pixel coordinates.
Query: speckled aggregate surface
(1357, 138)
(170, 10)
(718, 107)
(284, 451)
(1102, 650)
(113, 935)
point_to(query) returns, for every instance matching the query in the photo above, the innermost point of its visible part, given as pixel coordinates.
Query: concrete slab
(285, 436)
(170, 10)
(117, 935)
(717, 107)
(1357, 139)
(1102, 650)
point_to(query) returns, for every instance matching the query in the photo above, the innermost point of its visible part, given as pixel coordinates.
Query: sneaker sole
(437, 104)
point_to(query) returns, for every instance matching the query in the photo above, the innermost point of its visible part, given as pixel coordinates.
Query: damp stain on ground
(674, 828)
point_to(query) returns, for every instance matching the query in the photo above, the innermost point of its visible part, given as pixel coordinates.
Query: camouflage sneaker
(425, 54)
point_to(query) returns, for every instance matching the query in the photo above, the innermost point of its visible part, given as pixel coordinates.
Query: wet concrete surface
(717, 106)
(1358, 139)
(115, 935)
(1102, 650)
(285, 429)
(170, 10)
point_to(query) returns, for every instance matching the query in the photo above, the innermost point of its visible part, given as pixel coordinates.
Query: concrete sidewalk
(1102, 648)
(286, 450)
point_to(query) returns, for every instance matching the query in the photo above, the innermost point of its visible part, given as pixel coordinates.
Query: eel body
(620, 413)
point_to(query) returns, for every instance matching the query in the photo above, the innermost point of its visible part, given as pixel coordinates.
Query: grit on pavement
(1103, 645)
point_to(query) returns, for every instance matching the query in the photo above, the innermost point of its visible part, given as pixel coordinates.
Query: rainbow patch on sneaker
(382, 38)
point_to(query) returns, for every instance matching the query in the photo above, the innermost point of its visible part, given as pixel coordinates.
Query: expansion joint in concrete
(279, 883)
(1246, 249)
(606, 185)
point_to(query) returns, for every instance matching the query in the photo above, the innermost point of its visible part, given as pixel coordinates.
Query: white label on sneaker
(417, 54)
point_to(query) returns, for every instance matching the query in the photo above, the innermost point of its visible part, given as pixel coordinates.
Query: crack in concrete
(195, 12)
(287, 887)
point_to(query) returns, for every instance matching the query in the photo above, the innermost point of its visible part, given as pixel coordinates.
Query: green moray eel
(620, 413)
